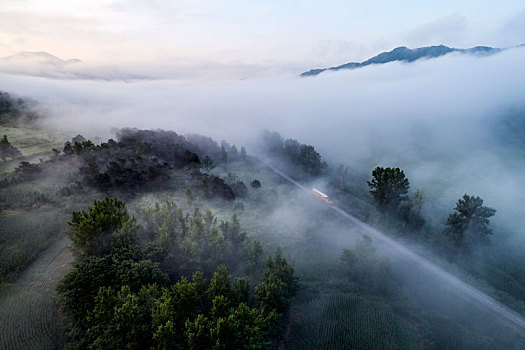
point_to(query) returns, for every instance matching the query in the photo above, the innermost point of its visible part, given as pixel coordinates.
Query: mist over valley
(170, 179)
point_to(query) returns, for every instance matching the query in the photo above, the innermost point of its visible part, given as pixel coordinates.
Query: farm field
(346, 321)
(29, 316)
(24, 235)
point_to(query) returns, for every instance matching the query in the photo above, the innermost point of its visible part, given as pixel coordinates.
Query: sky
(245, 38)
(229, 69)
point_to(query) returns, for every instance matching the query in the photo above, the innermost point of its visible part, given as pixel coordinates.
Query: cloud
(43, 64)
(513, 29)
(432, 118)
(450, 29)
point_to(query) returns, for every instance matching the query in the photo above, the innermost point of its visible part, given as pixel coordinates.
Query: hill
(404, 54)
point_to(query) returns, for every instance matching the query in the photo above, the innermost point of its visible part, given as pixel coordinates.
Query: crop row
(347, 321)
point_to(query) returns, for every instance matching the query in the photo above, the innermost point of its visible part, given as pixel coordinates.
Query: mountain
(39, 57)
(404, 54)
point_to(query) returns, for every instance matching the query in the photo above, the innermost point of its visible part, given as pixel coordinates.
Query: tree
(224, 155)
(91, 230)
(207, 163)
(120, 320)
(469, 223)
(341, 174)
(389, 187)
(243, 153)
(234, 153)
(278, 286)
(411, 212)
(7, 150)
(310, 160)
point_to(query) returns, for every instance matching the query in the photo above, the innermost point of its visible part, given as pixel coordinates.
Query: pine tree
(469, 223)
(389, 187)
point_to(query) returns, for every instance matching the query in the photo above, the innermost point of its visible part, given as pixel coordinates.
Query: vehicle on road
(321, 196)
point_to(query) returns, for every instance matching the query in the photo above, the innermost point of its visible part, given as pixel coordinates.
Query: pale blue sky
(282, 33)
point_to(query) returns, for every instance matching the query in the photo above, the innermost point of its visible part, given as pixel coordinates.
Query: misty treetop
(302, 156)
(389, 187)
(469, 223)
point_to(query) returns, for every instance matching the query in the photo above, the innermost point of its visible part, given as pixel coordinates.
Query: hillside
(201, 229)
(404, 54)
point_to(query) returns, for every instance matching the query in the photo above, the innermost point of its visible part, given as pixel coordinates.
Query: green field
(29, 317)
(33, 143)
(346, 321)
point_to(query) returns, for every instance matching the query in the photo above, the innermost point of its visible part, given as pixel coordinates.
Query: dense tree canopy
(120, 295)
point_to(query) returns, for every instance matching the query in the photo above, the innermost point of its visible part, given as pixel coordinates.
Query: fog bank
(433, 118)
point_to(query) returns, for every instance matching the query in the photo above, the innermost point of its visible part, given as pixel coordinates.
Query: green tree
(278, 286)
(79, 288)
(389, 188)
(207, 163)
(220, 283)
(91, 230)
(242, 328)
(470, 222)
(121, 320)
(198, 333)
(7, 150)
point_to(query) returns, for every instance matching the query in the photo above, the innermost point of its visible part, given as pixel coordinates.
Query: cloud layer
(433, 118)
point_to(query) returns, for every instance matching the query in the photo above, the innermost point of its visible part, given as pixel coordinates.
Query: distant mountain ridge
(404, 54)
(40, 57)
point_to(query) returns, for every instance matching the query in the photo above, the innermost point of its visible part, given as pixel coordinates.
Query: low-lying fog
(436, 119)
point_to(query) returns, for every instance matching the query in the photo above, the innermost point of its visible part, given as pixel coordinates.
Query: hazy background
(228, 69)
(234, 39)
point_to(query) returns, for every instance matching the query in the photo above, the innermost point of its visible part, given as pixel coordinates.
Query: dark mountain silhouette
(404, 54)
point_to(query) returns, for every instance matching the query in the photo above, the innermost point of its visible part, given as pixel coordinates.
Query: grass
(33, 143)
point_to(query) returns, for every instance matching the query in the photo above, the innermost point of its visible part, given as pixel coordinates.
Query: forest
(155, 240)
